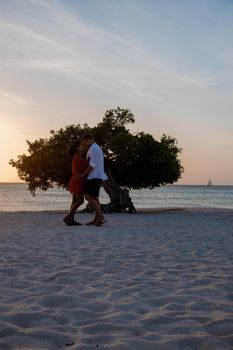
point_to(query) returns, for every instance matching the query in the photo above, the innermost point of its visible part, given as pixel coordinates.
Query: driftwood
(120, 201)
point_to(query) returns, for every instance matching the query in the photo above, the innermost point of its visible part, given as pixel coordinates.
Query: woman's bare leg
(78, 200)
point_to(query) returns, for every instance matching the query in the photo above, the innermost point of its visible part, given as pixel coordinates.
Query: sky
(170, 62)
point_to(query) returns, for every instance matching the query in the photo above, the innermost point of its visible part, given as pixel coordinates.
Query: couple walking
(88, 175)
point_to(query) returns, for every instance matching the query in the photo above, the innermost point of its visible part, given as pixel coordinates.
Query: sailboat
(210, 183)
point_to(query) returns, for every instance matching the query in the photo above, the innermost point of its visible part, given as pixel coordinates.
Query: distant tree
(132, 160)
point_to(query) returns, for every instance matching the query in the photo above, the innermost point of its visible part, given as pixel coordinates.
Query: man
(95, 175)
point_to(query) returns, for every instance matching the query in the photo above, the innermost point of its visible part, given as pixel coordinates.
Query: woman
(77, 183)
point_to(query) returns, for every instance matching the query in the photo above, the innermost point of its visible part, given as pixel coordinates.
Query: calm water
(16, 197)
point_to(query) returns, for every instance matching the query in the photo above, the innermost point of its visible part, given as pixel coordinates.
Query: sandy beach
(156, 280)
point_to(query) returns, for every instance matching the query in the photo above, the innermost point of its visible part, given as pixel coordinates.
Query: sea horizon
(16, 197)
(174, 184)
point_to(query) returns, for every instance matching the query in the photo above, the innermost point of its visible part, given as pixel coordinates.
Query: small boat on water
(210, 183)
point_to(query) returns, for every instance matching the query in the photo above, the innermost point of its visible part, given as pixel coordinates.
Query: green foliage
(133, 160)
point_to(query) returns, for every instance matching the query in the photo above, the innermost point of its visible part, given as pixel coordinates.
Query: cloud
(63, 42)
(16, 99)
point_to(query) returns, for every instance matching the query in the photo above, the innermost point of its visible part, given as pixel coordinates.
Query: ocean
(16, 197)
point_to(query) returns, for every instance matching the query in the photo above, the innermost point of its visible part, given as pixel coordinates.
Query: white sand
(160, 281)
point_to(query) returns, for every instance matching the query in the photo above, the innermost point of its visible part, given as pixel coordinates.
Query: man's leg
(102, 218)
(95, 206)
(99, 219)
(92, 196)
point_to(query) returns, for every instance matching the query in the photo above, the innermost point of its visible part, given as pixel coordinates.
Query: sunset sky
(170, 62)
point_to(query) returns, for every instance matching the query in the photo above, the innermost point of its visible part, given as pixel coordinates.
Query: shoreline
(138, 211)
(157, 280)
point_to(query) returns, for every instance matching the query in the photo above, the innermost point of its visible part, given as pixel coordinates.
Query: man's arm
(93, 156)
(87, 171)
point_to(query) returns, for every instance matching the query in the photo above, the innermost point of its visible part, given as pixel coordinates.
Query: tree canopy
(134, 160)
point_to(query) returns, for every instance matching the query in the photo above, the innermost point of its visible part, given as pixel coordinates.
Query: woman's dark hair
(73, 148)
(87, 137)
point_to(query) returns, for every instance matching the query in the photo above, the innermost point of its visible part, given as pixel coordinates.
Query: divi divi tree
(132, 160)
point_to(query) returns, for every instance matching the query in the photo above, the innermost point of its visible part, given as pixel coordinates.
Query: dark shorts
(92, 187)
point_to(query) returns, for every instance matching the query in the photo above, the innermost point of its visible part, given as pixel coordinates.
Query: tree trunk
(120, 201)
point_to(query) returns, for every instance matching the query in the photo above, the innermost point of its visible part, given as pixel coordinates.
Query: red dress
(79, 164)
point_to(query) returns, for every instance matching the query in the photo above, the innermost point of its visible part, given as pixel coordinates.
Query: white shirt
(96, 157)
